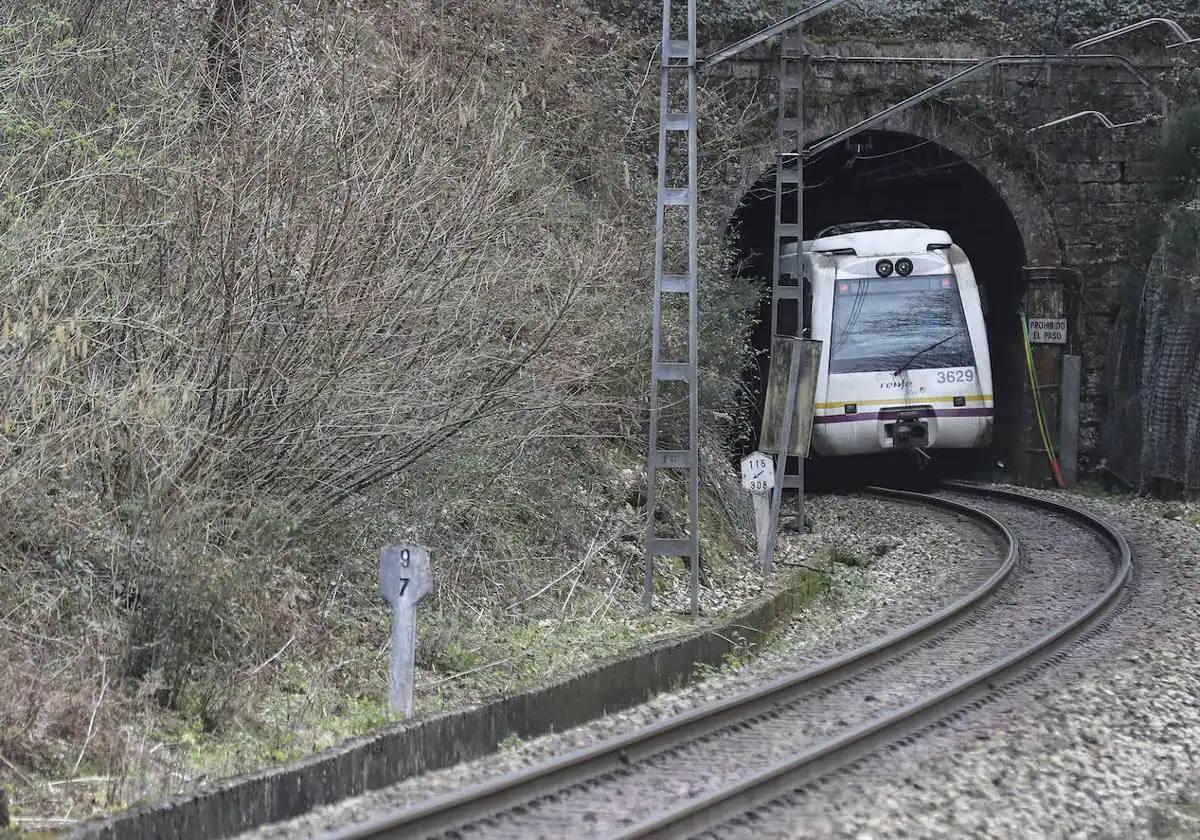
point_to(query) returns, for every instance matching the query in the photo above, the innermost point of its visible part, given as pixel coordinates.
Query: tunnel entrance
(893, 175)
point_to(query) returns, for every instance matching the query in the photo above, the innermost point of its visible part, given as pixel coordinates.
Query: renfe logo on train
(1048, 330)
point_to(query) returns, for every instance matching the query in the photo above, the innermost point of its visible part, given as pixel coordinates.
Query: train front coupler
(909, 431)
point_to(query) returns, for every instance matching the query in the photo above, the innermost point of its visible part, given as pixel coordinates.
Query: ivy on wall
(1181, 152)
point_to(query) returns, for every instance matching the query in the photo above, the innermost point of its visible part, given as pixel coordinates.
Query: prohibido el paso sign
(1048, 330)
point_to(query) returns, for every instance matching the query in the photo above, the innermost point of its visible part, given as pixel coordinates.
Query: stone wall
(1083, 196)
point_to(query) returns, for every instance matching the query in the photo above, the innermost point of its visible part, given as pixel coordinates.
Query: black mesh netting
(1150, 434)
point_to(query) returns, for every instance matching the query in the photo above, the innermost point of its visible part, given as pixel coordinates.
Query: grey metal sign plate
(404, 573)
(806, 391)
(405, 577)
(1048, 330)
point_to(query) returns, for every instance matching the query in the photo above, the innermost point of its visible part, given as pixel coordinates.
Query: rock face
(1151, 432)
(1083, 196)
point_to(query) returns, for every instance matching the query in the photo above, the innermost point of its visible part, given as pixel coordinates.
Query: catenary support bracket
(987, 64)
(1182, 39)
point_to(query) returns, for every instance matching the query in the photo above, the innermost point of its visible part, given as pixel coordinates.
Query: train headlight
(904, 267)
(884, 268)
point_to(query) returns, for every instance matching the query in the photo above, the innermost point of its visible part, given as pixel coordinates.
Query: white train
(905, 362)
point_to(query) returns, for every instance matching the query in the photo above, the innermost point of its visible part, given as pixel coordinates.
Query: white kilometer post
(758, 477)
(405, 577)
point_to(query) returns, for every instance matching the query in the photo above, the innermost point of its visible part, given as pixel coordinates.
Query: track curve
(722, 761)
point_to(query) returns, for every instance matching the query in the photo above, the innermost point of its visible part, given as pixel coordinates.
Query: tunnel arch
(904, 174)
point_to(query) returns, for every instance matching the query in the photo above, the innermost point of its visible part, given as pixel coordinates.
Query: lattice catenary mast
(680, 58)
(680, 65)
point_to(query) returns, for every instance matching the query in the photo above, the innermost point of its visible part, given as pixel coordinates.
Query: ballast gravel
(1105, 744)
(887, 564)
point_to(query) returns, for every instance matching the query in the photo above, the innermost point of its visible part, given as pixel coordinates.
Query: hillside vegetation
(282, 282)
(285, 282)
(1152, 409)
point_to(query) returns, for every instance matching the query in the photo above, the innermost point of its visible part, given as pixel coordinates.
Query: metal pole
(656, 328)
(789, 173)
(799, 258)
(672, 195)
(693, 311)
(677, 56)
(785, 445)
(1068, 433)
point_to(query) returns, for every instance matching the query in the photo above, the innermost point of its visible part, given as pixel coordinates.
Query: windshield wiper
(921, 353)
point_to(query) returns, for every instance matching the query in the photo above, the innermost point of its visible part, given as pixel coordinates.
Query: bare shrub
(250, 328)
(217, 335)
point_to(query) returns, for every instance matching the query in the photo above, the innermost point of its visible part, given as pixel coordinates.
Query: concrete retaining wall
(376, 761)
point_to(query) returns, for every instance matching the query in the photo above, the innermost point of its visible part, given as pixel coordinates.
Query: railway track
(723, 768)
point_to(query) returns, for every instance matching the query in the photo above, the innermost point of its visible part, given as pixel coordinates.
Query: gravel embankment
(898, 563)
(1106, 744)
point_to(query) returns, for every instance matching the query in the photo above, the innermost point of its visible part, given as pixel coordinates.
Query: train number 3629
(960, 375)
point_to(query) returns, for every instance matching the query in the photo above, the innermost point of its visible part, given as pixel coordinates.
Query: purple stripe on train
(893, 415)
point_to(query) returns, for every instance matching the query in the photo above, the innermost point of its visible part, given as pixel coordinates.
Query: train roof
(887, 242)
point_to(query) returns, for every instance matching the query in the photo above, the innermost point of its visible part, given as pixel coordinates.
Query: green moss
(1180, 249)
(510, 743)
(842, 556)
(719, 541)
(1180, 159)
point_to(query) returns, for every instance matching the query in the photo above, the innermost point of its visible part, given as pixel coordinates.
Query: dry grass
(391, 281)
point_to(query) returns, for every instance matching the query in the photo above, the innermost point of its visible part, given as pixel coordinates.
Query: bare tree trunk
(224, 51)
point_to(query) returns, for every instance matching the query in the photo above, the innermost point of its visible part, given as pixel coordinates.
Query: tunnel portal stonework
(1083, 196)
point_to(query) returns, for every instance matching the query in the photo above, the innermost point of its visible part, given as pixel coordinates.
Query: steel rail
(480, 801)
(779, 780)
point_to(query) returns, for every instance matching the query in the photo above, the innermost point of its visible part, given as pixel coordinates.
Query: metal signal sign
(405, 577)
(1048, 330)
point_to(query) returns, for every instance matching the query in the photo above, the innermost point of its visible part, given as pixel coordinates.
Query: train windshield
(886, 323)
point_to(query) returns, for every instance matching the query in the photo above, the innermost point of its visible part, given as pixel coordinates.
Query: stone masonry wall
(1084, 196)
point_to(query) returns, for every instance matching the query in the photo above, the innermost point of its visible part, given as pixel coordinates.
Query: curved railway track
(726, 765)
